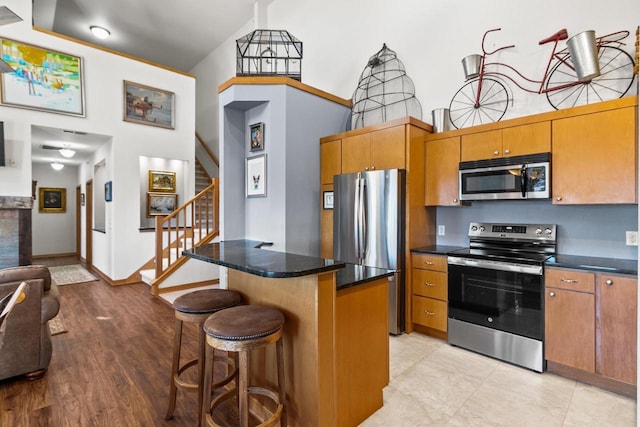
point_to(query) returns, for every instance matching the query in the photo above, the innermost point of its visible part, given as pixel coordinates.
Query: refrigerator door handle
(364, 218)
(356, 218)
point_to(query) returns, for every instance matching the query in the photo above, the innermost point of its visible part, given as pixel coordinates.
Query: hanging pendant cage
(269, 53)
(384, 92)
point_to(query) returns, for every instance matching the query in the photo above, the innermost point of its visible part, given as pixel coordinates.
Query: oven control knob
(481, 228)
(548, 231)
(538, 231)
(474, 228)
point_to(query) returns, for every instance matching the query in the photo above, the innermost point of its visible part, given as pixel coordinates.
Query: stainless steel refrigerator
(368, 229)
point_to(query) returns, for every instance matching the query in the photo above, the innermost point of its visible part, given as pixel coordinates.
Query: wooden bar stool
(242, 329)
(195, 307)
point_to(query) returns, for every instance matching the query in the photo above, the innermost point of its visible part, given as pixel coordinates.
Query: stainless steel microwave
(513, 178)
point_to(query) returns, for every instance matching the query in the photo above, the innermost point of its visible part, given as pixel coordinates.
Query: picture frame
(327, 200)
(256, 137)
(148, 105)
(161, 204)
(256, 176)
(108, 191)
(162, 181)
(52, 200)
(35, 85)
(82, 202)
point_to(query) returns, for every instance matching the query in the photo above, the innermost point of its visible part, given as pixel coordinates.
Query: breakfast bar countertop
(246, 256)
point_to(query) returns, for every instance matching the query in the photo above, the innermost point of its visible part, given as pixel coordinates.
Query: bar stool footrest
(263, 391)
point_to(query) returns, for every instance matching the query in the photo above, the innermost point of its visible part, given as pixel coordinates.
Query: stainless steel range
(496, 291)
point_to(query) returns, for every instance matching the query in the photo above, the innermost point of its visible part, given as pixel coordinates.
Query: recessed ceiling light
(57, 166)
(67, 152)
(100, 32)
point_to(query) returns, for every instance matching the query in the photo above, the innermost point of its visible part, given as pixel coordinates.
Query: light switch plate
(632, 238)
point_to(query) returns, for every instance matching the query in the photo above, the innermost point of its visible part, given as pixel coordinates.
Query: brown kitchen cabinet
(441, 172)
(591, 327)
(429, 284)
(330, 161)
(507, 142)
(595, 158)
(381, 149)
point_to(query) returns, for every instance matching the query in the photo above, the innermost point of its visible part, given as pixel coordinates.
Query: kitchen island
(336, 338)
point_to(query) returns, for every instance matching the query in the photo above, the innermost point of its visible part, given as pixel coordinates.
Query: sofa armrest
(50, 303)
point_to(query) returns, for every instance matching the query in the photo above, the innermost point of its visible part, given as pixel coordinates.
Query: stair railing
(193, 224)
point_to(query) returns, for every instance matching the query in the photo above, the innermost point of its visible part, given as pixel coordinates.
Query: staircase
(193, 224)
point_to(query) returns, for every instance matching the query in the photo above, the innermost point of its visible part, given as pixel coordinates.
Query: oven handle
(496, 265)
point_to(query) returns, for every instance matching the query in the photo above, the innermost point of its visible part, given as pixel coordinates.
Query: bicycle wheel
(615, 79)
(494, 100)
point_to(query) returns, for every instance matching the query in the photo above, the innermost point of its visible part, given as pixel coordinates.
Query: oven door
(497, 295)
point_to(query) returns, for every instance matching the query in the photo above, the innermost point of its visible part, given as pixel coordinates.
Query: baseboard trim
(591, 378)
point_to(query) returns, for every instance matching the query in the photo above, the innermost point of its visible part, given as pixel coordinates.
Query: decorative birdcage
(269, 53)
(384, 92)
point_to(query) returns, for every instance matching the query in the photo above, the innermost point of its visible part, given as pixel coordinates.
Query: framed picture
(257, 176)
(328, 199)
(44, 79)
(256, 136)
(161, 204)
(82, 199)
(108, 191)
(162, 181)
(148, 106)
(52, 200)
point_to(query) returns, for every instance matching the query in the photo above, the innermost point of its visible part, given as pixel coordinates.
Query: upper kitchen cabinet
(330, 160)
(442, 178)
(595, 157)
(381, 149)
(506, 142)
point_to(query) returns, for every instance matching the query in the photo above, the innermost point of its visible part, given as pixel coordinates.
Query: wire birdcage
(269, 53)
(384, 92)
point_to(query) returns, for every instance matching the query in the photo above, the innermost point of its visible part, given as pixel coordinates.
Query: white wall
(54, 233)
(122, 249)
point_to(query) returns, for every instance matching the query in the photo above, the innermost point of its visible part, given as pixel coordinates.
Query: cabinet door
(594, 158)
(526, 139)
(355, 153)
(330, 161)
(442, 162)
(617, 327)
(483, 145)
(430, 312)
(326, 225)
(388, 148)
(432, 284)
(570, 328)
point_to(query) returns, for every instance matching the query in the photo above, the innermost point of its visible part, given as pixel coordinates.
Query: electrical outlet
(632, 238)
(441, 230)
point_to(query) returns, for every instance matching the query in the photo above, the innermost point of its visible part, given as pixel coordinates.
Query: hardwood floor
(111, 369)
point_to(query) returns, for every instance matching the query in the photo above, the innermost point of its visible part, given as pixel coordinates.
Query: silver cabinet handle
(495, 153)
(558, 198)
(366, 168)
(562, 279)
(429, 284)
(455, 201)
(608, 282)
(429, 313)
(507, 151)
(373, 168)
(429, 262)
(552, 294)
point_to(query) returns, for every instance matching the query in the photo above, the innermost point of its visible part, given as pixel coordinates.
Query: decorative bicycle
(484, 98)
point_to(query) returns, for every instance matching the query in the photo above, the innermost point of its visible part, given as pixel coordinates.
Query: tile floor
(435, 384)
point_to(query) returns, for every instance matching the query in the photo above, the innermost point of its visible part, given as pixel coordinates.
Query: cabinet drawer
(430, 312)
(429, 262)
(432, 284)
(570, 279)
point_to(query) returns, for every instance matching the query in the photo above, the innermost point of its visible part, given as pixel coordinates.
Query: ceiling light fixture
(57, 166)
(100, 32)
(67, 152)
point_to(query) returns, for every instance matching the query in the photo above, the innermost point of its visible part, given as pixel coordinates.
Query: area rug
(56, 325)
(68, 274)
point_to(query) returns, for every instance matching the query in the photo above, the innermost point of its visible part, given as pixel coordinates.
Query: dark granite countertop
(353, 275)
(436, 249)
(603, 265)
(246, 256)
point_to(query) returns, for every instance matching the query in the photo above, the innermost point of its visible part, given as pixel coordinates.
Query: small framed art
(52, 200)
(328, 199)
(257, 176)
(162, 181)
(148, 106)
(108, 191)
(256, 136)
(161, 204)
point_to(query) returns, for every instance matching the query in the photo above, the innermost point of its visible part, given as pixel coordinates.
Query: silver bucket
(584, 54)
(471, 66)
(440, 119)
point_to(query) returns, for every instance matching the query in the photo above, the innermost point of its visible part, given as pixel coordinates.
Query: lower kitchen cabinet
(429, 292)
(591, 327)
